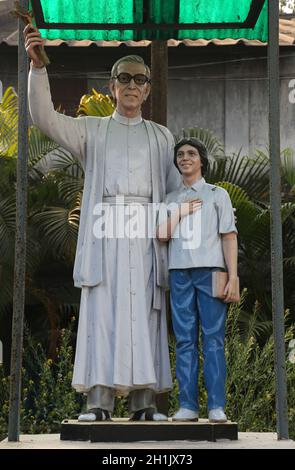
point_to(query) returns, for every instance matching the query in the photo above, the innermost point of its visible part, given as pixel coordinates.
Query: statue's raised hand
(34, 45)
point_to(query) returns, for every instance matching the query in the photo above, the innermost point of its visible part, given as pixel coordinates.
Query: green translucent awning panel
(233, 11)
(151, 19)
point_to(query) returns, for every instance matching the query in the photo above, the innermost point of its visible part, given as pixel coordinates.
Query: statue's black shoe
(148, 414)
(95, 414)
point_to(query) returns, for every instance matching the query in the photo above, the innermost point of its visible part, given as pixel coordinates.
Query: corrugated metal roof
(151, 19)
(9, 35)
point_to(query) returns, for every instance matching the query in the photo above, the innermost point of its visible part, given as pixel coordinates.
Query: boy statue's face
(189, 161)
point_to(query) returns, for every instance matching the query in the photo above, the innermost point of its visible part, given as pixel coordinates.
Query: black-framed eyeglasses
(139, 78)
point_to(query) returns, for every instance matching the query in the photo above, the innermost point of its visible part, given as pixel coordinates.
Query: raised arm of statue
(67, 131)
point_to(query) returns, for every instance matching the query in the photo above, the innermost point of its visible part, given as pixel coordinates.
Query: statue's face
(189, 160)
(129, 96)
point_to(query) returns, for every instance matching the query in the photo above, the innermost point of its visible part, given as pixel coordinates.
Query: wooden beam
(159, 63)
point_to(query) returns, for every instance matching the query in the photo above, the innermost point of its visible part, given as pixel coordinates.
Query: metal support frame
(276, 219)
(20, 242)
(276, 229)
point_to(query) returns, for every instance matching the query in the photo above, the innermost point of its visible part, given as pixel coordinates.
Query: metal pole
(276, 220)
(20, 242)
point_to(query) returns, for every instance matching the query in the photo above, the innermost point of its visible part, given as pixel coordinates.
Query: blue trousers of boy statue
(192, 303)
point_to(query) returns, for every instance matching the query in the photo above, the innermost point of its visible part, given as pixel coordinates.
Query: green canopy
(151, 19)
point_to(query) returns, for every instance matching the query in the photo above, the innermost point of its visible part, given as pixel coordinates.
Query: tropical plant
(96, 104)
(288, 174)
(8, 123)
(41, 255)
(213, 145)
(48, 397)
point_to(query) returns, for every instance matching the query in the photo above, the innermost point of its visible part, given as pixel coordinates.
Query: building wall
(229, 96)
(8, 69)
(232, 100)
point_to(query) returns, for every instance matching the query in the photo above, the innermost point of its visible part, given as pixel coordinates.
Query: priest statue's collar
(125, 120)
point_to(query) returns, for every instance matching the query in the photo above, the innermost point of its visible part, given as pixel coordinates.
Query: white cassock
(122, 340)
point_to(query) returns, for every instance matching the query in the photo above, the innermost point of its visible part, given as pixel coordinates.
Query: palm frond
(70, 190)
(96, 104)
(287, 210)
(254, 324)
(39, 146)
(6, 291)
(237, 194)
(213, 145)
(63, 161)
(290, 262)
(59, 227)
(259, 236)
(61, 164)
(8, 123)
(7, 175)
(246, 210)
(251, 174)
(216, 170)
(7, 225)
(288, 166)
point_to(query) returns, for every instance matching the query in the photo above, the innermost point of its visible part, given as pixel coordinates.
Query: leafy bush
(4, 402)
(251, 377)
(48, 397)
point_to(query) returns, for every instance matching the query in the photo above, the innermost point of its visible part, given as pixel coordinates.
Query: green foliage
(96, 104)
(249, 173)
(212, 144)
(250, 376)
(55, 182)
(48, 397)
(4, 403)
(288, 174)
(39, 146)
(51, 396)
(8, 123)
(47, 394)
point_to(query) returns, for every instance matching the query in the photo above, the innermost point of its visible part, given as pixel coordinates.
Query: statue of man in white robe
(122, 344)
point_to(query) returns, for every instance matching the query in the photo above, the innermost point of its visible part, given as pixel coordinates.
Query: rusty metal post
(20, 242)
(276, 220)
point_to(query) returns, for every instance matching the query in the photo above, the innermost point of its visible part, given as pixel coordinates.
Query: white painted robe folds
(122, 333)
